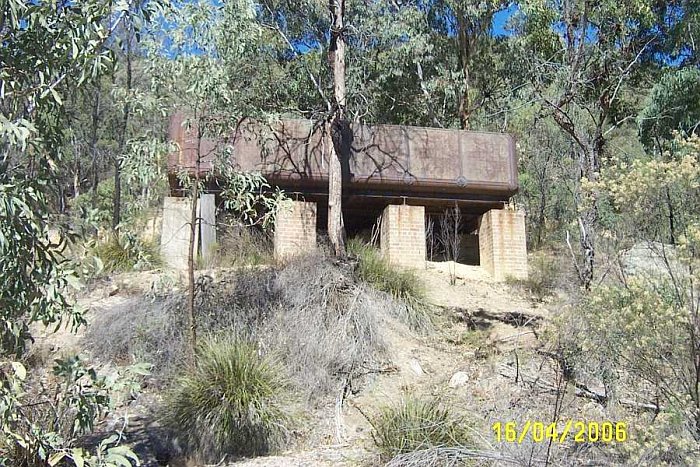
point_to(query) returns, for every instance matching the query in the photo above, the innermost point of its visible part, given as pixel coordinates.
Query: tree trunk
(192, 247)
(671, 220)
(336, 56)
(589, 163)
(116, 212)
(93, 139)
(463, 46)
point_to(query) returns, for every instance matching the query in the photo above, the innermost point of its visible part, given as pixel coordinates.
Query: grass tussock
(230, 402)
(238, 246)
(417, 424)
(402, 284)
(126, 252)
(328, 326)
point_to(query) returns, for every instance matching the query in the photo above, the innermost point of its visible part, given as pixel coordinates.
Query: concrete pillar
(175, 231)
(207, 225)
(502, 249)
(402, 237)
(295, 229)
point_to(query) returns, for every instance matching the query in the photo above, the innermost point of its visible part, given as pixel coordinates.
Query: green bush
(95, 208)
(542, 278)
(229, 403)
(401, 284)
(417, 424)
(125, 252)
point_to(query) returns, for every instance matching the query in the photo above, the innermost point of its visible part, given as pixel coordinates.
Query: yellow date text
(576, 431)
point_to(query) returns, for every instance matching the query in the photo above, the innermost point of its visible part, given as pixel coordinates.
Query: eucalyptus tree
(350, 56)
(585, 57)
(323, 29)
(462, 33)
(208, 52)
(672, 105)
(50, 50)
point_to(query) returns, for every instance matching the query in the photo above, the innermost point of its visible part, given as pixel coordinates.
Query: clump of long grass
(416, 424)
(230, 402)
(126, 252)
(324, 324)
(401, 284)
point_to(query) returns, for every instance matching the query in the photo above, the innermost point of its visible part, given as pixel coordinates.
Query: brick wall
(502, 247)
(403, 235)
(295, 229)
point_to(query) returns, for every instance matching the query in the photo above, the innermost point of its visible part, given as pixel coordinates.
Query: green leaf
(56, 457)
(56, 96)
(77, 457)
(20, 370)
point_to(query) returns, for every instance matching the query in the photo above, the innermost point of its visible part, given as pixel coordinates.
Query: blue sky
(500, 21)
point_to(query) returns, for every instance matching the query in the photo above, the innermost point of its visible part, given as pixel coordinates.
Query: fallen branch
(512, 318)
(450, 456)
(581, 390)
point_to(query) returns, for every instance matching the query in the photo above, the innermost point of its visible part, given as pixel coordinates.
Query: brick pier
(502, 248)
(295, 229)
(403, 235)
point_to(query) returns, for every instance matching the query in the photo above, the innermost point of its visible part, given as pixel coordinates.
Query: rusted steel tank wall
(383, 158)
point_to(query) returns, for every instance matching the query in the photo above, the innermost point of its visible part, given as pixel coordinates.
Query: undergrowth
(417, 424)
(126, 252)
(324, 324)
(542, 278)
(230, 402)
(401, 284)
(238, 246)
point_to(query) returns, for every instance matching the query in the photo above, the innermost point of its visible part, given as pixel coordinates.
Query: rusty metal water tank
(381, 160)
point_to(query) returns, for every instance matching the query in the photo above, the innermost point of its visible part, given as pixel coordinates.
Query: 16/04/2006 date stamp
(578, 431)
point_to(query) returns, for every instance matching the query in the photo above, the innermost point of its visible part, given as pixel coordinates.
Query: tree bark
(116, 212)
(93, 139)
(589, 163)
(192, 247)
(336, 55)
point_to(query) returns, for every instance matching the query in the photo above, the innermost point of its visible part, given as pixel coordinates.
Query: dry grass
(542, 278)
(239, 246)
(403, 285)
(326, 328)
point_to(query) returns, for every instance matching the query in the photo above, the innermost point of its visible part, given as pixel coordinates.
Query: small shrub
(229, 403)
(95, 208)
(125, 252)
(542, 278)
(417, 424)
(154, 328)
(401, 284)
(239, 246)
